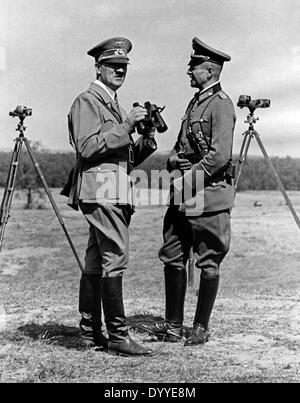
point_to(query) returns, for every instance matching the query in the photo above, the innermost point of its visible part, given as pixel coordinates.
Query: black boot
(90, 310)
(119, 342)
(171, 329)
(207, 294)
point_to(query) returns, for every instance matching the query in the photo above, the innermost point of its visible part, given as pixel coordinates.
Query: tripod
(248, 136)
(22, 112)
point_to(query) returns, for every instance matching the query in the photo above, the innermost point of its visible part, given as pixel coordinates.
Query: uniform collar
(209, 87)
(105, 96)
(209, 91)
(110, 92)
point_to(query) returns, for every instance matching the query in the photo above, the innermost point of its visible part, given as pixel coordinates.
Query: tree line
(256, 175)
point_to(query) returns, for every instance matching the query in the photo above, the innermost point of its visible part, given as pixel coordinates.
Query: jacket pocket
(106, 183)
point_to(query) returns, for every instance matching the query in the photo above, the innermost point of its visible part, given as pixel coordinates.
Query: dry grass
(255, 324)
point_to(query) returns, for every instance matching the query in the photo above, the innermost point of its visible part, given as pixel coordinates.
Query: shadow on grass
(69, 336)
(53, 333)
(148, 319)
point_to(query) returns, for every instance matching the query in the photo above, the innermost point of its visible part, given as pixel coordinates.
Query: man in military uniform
(100, 131)
(204, 144)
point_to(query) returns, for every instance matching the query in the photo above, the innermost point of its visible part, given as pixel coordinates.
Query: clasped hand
(177, 162)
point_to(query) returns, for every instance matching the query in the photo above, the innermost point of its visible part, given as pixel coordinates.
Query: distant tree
(256, 174)
(5, 159)
(27, 176)
(54, 166)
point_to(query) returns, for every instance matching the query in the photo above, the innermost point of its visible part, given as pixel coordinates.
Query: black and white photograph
(150, 194)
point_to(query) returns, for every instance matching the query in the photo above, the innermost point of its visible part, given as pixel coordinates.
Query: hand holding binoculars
(153, 119)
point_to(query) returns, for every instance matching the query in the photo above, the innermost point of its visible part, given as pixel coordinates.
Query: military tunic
(106, 153)
(205, 138)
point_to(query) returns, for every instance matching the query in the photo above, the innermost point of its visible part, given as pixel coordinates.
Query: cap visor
(123, 60)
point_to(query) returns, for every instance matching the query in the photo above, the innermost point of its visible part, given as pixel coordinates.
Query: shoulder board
(222, 95)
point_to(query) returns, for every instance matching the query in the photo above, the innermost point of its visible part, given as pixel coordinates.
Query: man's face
(199, 75)
(112, 74)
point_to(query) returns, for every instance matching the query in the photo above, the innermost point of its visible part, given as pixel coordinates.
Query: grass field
(255, 324)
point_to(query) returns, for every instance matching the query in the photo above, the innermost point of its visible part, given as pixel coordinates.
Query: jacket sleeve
(143, 148)
(88, 131)
(222, 126)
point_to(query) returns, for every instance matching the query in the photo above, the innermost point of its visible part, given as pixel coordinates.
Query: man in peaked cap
(100, 131)
(204, 145)
(114, 50)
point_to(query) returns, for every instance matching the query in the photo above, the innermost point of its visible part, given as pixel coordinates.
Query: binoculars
(252, 104)
(152, 119)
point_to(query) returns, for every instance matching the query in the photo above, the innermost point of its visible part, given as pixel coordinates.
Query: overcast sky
(44, 65)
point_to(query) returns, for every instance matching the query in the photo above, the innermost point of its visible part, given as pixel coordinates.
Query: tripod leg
(242, 156)
(9, 188)
(58, 215)
(278, 180)
(240, 159)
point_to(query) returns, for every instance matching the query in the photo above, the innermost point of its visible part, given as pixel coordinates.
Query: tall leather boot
(171, 329)
(90, 310)
(119, 342)
(206, 298)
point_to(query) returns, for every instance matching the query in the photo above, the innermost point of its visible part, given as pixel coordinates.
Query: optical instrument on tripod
(246, 101)
(22, 112)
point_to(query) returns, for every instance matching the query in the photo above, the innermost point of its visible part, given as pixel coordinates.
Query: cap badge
(193, 54)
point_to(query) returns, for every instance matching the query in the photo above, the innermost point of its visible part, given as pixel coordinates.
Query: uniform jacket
(106, 152)
(210, 117)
